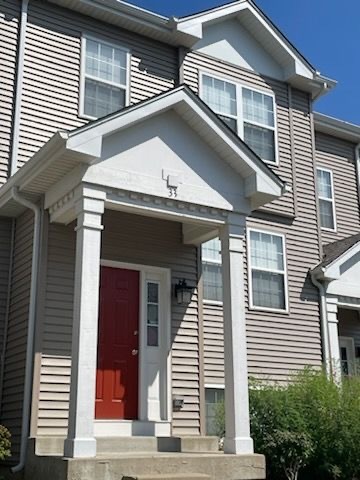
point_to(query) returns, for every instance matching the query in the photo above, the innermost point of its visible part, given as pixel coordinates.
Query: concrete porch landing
(151, 466)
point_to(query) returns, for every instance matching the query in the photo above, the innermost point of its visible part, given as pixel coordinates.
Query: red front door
(118, 345)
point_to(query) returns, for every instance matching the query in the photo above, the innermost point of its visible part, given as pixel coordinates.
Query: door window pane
(153, 310)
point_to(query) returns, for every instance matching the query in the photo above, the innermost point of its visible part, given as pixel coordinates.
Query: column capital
(89, 207)
(232, 234)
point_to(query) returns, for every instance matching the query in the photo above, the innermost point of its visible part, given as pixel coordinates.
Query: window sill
(213, 303)
(269, 310)
(330, 230)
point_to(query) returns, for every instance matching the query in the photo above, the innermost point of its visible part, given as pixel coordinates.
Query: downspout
(19, 87)
(29, 366)
(6, 325)
(324, 326)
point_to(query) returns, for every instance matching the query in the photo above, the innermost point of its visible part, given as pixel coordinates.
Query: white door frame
(159, 423)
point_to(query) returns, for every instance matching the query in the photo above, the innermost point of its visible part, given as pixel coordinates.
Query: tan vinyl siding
(131, 239)
(349, 324)
(9, 22)
(280, 344)
(5, 252)
(196, 62)
(339, 156)
(52, 70)
(13, 386)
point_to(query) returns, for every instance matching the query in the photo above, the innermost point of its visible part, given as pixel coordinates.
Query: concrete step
(188, 444)
(105, 445)
(155, 466)
(173, 476)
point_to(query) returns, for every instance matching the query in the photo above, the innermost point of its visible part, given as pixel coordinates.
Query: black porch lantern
(183, 293)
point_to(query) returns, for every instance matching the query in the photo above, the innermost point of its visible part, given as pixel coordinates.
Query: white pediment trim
(261, 184)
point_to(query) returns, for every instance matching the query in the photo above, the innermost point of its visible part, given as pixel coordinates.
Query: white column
(333, 329)
(80, 441)
(237, 418)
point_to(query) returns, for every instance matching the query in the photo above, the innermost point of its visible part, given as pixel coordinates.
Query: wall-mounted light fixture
(183, 293)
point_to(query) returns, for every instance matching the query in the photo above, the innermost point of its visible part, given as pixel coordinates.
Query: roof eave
(336, 127)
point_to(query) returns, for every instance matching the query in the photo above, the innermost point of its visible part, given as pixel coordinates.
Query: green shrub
(308, 429)
(5, 443)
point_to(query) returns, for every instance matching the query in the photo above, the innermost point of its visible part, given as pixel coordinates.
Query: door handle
(134, 352)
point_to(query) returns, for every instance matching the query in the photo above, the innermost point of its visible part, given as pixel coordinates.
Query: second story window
(326, 198)
(211, 266)
(250, 113)
(104, 78)
(267, 271)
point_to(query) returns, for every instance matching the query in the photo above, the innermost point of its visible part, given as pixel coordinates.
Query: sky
(326, 32)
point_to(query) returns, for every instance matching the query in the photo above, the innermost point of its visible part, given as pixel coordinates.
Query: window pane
(211, 250)
(212, 281)
(101, 99)
(326, 214)
(153, 314)
(212, 398)
(230, 122)
(324, 184)
(266, 251)
(219, 95)
(261, 140)
(152, 336)
(153, 292)
(268, 290)
(258, 107)
(92, 57)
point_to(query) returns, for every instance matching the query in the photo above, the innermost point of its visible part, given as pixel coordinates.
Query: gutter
(29, 366)
(19, 87)
(324, 325)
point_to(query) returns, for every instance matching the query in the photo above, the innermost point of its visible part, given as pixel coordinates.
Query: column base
(239, 445)
(80, 448)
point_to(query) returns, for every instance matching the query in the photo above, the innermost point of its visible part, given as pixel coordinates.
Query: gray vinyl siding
(196, 62)
(349, 324)
(9, 22)
(279, 344)
(52, 70)
(339, 156)
(131, 239)
(15, 356)
(5, 253)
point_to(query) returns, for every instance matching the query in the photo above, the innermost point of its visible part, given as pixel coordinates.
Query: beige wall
(278, 344)
(15, 356)
(52, 70)
(132, 239)
(339, 156)
(9, 21)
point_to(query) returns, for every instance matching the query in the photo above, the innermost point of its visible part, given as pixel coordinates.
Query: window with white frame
(211, 268)
(267, 270)
(250, 113)
(104, 78)
(326, 198)
(214, 397)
